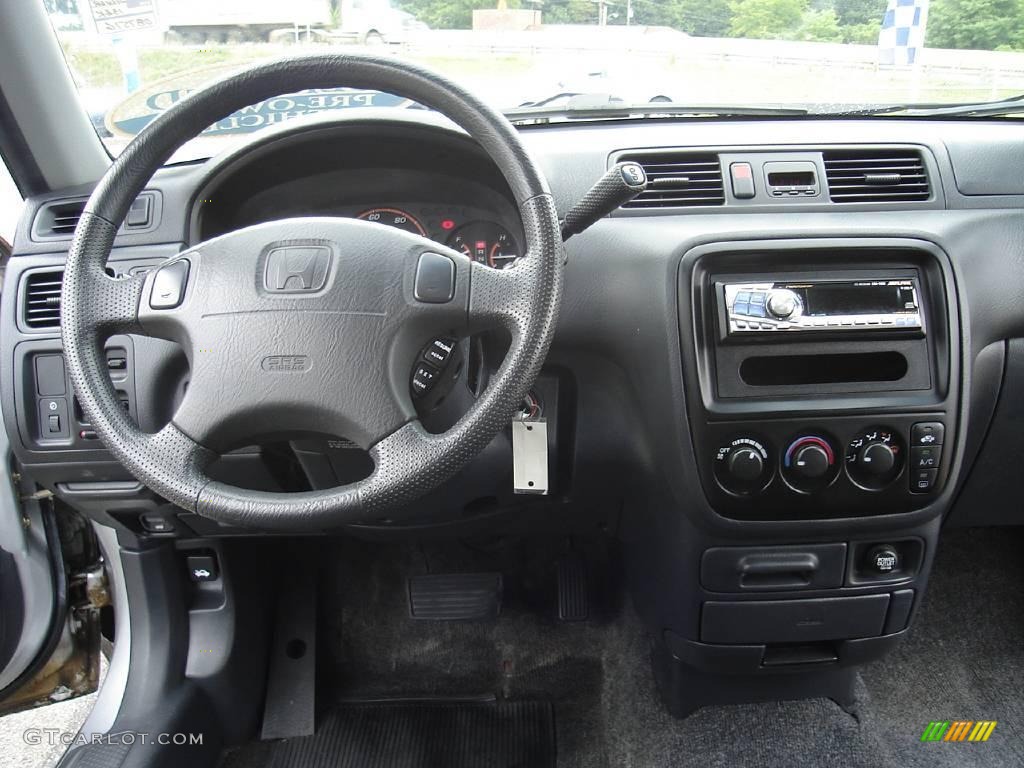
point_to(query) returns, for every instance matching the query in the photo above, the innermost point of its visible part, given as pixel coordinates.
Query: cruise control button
(438, 351)
(169, 285)
(923, 480)
(925, 457)
(927, 433)
(423, 379)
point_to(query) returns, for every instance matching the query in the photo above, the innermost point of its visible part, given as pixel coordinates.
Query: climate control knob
(875, 458)
(743, 466)
(784, 304)
(809, 463)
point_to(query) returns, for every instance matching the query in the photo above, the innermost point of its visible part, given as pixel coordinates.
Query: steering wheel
(308, 324)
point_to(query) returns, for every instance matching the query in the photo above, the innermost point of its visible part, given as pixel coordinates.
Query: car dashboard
(801, 346)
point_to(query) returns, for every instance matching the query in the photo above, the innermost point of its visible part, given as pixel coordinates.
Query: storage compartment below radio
(788, 370)
(793, 621)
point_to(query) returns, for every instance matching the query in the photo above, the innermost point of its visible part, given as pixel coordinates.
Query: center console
(826, 383)
(822, 384)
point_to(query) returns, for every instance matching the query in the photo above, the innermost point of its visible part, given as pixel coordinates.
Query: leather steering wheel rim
(409, 461)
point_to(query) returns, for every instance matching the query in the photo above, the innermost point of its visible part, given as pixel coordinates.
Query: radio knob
(783, 304)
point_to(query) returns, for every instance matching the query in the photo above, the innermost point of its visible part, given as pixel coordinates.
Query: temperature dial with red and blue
(809, 463)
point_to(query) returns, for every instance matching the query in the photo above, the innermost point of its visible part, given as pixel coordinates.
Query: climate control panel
(845, 465)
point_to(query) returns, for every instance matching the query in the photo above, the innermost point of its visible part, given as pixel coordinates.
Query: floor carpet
(963, 660)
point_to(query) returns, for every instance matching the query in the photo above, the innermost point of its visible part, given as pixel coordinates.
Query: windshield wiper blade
(1010, 106)
(612, 110)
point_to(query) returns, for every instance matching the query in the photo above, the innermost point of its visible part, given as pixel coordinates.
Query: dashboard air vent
(679, 180)
(876, 176)
(41, 303)
(57, 219)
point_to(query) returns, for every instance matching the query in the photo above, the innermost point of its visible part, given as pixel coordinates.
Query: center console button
(925, 457)
(923, 480)
(927, 433)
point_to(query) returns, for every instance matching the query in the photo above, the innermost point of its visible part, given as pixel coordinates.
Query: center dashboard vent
(678, 180)
(876, 176)
(41, 302)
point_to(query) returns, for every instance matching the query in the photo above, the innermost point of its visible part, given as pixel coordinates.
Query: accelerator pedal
(573, 588)
(455, 596)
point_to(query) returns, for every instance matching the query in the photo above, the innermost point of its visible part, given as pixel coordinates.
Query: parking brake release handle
(622, 183)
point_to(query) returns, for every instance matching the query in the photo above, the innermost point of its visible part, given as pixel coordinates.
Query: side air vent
(41, 302)
(679, 180)
(57, 220)
(876, 176)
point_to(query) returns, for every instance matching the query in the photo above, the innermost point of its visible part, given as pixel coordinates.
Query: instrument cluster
(465, 229)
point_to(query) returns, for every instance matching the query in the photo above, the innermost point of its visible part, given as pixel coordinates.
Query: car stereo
(882, 304)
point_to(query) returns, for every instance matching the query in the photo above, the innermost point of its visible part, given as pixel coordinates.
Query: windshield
(558, 59)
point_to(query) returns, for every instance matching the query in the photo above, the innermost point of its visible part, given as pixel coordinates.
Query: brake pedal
(573, 588)
(455, 596)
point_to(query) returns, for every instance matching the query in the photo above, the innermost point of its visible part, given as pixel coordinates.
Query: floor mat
(426, 735)
(963, 660)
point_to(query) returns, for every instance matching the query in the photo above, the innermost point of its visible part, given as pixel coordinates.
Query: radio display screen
(855, 298)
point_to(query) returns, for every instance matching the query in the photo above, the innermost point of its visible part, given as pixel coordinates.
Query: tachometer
(486, 242)
(394, 217)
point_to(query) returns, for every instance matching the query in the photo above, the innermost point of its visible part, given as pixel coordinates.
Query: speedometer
(394, 217)
(486, 242)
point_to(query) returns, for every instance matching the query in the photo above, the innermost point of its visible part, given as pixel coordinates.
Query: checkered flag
(902, 34)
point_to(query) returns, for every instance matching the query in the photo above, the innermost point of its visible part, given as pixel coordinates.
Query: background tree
(701, 18)
(766, 18)
(821, 26)
(981, 24)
